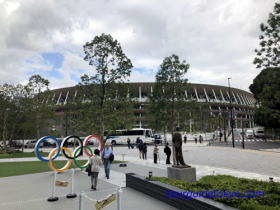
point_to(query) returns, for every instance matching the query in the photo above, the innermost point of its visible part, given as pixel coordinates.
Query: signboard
(105, 202)
(61, 183)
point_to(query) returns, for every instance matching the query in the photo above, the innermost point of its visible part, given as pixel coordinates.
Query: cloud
(215, 37)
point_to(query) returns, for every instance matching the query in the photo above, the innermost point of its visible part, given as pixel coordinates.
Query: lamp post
(231, 114)
(220, 130)
(243, 145)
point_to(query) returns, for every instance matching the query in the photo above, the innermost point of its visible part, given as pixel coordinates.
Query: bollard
(53, 198)
(72, 194)
(119, 191)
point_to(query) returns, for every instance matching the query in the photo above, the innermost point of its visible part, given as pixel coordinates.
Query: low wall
(158, 190)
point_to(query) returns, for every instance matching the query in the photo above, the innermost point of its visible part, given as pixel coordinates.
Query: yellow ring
(68, 164)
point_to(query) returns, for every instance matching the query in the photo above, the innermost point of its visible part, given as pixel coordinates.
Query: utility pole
(231, 114)
(220, 130)
(243, 143)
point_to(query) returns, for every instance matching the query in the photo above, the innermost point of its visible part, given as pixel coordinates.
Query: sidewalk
(201, 170)
(30, 192)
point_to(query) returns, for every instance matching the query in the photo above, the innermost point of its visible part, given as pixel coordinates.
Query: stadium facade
(216, 97)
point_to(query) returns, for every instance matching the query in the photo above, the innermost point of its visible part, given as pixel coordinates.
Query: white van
(259, 132)
(249, 134)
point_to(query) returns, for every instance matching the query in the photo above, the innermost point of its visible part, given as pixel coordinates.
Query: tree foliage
(168, 101)
(269, 50)
(21, 109)
(111, 66)
(266, 90)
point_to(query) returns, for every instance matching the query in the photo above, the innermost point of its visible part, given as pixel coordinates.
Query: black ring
(81, 144)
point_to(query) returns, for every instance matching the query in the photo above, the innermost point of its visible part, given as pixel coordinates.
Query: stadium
(216, 97)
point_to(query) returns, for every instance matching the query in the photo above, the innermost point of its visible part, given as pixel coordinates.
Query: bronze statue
(177, 142)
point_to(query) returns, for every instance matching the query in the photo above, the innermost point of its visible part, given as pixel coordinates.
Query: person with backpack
(107, 158)
(95, 163)
(167, 151)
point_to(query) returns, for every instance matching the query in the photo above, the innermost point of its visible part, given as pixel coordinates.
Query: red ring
(86, 141)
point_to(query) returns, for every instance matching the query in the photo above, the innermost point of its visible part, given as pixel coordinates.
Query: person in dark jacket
(167, 151)
(144, 151)
(195, 139)
(200, 139)
(185, 139)
(129, 143)
(140, 147)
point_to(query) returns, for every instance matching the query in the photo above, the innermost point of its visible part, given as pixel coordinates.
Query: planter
(158, 190)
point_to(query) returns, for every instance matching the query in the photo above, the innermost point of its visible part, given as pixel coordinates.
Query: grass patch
(20, 154)
(21, 168)
(270, 201)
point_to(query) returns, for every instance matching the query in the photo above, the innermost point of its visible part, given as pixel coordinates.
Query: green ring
(76, 151)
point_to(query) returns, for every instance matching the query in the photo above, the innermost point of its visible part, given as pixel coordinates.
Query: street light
(243, 145)
(231, 114)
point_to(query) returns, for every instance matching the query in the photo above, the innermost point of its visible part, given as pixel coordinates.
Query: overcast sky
(216, 37)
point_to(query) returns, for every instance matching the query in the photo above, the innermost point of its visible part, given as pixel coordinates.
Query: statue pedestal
(186, 174)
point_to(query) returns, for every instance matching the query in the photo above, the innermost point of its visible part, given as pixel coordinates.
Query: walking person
(167, 151)
(106, 154)
(185, 139)
(128, 143)
(200, 139)
(144, 151)
(137, 142)
(195, 139)
(95, 163)
(155, 153)
(140, 147)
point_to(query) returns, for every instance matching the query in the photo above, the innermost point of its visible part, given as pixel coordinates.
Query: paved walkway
(30, 192)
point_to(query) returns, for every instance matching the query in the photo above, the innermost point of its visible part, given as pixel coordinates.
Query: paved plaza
(31, 191)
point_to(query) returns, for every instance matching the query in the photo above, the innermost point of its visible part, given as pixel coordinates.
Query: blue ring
(37, 147)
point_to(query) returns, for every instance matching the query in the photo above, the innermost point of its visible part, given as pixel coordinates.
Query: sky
(216, 37)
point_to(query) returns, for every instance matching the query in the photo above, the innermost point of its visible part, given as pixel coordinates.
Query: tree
(169, 93)
(269, 50)
(11, 98)
(111, 66)
(266, 90)
(37, 89)
(168, 100)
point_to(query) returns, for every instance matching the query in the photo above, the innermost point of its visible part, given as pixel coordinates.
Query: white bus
(121, 136)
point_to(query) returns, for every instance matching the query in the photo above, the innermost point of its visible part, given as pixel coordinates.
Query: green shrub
(270, 201)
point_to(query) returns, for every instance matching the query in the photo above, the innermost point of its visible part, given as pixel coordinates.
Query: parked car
(30, 143)
(157, 139)
(16, 143)
(249, 134)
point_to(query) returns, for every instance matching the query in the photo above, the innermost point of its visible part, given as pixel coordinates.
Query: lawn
(270, 201)
(20, 154)
(20, 168)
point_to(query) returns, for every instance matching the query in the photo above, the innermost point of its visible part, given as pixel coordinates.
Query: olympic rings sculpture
(78, 151)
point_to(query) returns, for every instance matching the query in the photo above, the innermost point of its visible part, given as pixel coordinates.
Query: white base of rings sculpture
(83, 147)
